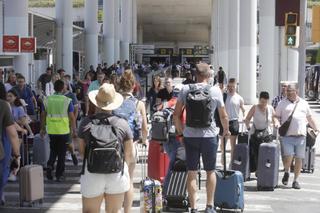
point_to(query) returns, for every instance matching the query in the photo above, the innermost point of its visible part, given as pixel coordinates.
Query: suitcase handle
(239, 189)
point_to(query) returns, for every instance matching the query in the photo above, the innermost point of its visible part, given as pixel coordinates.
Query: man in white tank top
(233, 103)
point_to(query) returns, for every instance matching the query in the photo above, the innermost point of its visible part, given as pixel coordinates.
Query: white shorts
(94, 185)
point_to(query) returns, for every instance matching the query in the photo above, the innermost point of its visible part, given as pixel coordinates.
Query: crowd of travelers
(107, 100)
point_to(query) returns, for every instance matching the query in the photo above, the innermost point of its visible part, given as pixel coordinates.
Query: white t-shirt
(299, 118)
(233, 103)
(49, 89)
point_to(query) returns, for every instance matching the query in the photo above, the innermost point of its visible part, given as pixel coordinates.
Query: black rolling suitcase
(176, 197)
(240, 161)
(309, 159)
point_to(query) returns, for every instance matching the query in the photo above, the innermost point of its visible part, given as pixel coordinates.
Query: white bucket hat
(106, 98)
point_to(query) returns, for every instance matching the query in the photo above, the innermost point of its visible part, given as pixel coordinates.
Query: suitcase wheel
(185, 203)
(312, 170)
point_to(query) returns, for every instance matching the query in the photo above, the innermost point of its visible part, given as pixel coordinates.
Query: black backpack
(199, 106)
(104, 152)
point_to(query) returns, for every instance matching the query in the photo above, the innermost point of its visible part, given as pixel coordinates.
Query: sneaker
(60, 179)
(68, 157)
(49, 174)
(209, 209)
(12, 177)
(194, 211)
(31, 136)
(74, 159)
(285, 178)
(2, 200)
(296, 185)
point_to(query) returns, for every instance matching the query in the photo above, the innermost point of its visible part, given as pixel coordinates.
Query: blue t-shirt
(27, 95)
(17, 112)
(73, 98)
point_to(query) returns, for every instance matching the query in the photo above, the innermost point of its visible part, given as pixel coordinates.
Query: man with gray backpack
(200, 132)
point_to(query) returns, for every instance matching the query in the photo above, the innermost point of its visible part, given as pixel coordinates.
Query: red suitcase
(158, 162)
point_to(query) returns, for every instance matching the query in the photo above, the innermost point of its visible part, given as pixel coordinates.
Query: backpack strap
(192, 87)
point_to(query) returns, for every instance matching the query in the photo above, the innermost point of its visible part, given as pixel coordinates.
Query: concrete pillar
(16, 23)
(234, 39)
(117, 29)
(140, 41)
(91, 29)
(108, 31)
(134, 22)
(289, 60)
(1, 23)
(64, 36)
(125, 22)
(268, 49)
(213, 42)
(248, 50)
(223, 34)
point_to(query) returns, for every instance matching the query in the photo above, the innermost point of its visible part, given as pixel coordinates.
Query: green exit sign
(291, 40)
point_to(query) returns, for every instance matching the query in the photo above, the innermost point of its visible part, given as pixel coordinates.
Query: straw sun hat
(106, 98)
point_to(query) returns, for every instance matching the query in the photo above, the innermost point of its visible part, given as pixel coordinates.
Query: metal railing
(51, 3)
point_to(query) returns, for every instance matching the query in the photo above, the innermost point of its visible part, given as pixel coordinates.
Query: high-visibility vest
(57, 119)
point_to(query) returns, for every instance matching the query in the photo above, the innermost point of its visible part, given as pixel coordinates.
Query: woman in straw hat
(111, 187)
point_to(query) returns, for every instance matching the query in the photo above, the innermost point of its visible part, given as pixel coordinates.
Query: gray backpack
(161, 123)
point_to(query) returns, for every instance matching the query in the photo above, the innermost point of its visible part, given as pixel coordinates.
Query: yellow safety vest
(57, 119)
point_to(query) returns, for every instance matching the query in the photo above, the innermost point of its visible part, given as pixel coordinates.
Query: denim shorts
(293, 146)
(204, 147)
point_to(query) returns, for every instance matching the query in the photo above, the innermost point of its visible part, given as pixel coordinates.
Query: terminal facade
(242, 38)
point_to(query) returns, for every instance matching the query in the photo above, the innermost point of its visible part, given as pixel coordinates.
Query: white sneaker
(12, 177)
(68, 157)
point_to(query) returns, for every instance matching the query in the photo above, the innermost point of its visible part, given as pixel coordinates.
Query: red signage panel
(28, 44)
(10, 43)
(286, 6)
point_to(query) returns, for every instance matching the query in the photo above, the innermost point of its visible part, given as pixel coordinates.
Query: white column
(134, 22)
(223, 34)
(108, 31)
(213, 42)
(91, 29)
(268, 49)
(234, 39)
(16, 23)
(1, 23)
(289, 60)
(248, 50)
(64, 35)
(140, 41)
(117, 23)
(124, 44)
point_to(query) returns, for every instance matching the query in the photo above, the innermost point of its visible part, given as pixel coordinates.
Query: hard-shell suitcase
(41, 150)
(309, 159)
(268, 166)
(241, 155)
(31, 184)
(240, 161)
(176, 196)
(150, 193)
(229, 189)
(158, 162)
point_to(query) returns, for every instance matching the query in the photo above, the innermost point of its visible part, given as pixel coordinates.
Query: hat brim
(117, 102)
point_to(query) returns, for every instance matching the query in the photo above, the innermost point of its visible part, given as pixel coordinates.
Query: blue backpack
(128, 111)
